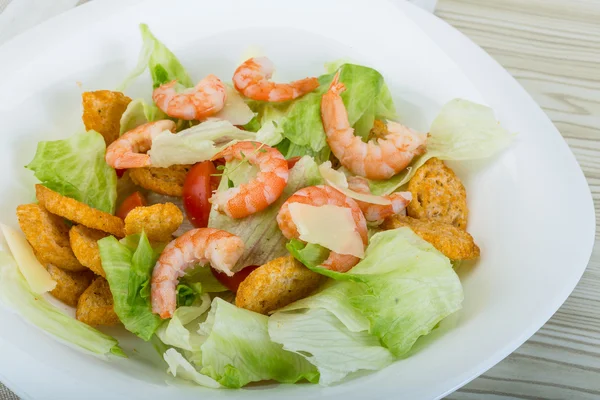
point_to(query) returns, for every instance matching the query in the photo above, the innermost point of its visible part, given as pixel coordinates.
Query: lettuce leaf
(327, 343)
(182, 329)
(259, 231)
(128, 266)
(162, 63)
(404, 287)
(16, 294)
(137, 113)
(180, 367)
(366, 97)
(238, 350)
(198, 143)
(75, 167)
(463, 130)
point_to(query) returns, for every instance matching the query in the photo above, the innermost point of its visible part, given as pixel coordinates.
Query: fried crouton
(69, 284)
(102, 111)
(48, 236)
(79, 212)
(454, 243)
(95, 306)
(84, 242)
(276, 284)
(438, 195)
(168, 181)
(159, 221)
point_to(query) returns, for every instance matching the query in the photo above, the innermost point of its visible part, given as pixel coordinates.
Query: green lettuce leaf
(182, 329)
(75, 167)
(162, 63)
(182, 368)
(128, 266)
(261, 234)
(327, 343)
(238, 350)
(309, 254)
(198, 143)
(463, 130)
(137, 113)
(403, 286)
(366, 97)
(17, 295)
(203, 276)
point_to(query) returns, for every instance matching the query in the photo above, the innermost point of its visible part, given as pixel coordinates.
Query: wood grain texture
(552, 47)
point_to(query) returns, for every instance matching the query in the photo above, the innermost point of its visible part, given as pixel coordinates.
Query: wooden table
(552, 47)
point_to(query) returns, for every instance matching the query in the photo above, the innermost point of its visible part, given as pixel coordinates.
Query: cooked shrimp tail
(378, 212)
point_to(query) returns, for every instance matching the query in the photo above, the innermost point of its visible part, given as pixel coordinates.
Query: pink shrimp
(252, 80)
(320, 196)
(381, 158)
(260, 192)
(378, 212)
(199, 246)
(128, 150)
(205, 99)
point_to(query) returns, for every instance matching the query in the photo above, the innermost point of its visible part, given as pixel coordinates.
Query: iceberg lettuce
(162, 63)
(137, 113)
(75, 167)
(128, 265)
(238, 350)
(16, 294)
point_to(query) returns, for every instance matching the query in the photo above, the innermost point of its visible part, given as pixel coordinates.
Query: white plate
(531, 209)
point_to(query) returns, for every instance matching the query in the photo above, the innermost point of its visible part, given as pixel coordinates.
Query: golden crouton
(158, 221)
(276, 284)
(102, 111)
(95, 306)
(84, 242)
(451, 241)
(438, 194)
(78, 212)
(69, 284)
(48, 235)
(167, 181)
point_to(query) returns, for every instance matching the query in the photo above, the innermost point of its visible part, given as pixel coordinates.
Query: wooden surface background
(552, 47)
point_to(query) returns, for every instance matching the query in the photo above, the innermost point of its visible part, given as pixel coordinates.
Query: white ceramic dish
(533, 250)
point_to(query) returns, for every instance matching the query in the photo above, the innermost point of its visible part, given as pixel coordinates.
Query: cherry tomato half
(197, 189)
(233, 282)
(120, 172)
(292, 161)
(132, 201)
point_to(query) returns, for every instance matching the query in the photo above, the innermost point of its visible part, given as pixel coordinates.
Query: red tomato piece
(197, 189)
(132, 201)
(120, 172)
(233, 282)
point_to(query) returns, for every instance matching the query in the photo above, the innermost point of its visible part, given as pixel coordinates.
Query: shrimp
(203, 100)
(320, 196)
(260, 192)
(252, 80)
(199, 246)
(127, 151)
(378, 212)
(380, 158)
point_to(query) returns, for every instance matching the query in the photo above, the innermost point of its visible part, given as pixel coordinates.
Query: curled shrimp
(128, 150)
(199, 246)
(381, 158)
(378, 212)
(260, 192)
(252, 80)
(320, 196)
(203, 100)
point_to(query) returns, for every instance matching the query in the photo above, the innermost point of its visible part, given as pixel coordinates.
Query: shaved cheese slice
(35, 274)
(235, 110)
(337, 180)
(329, 226)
